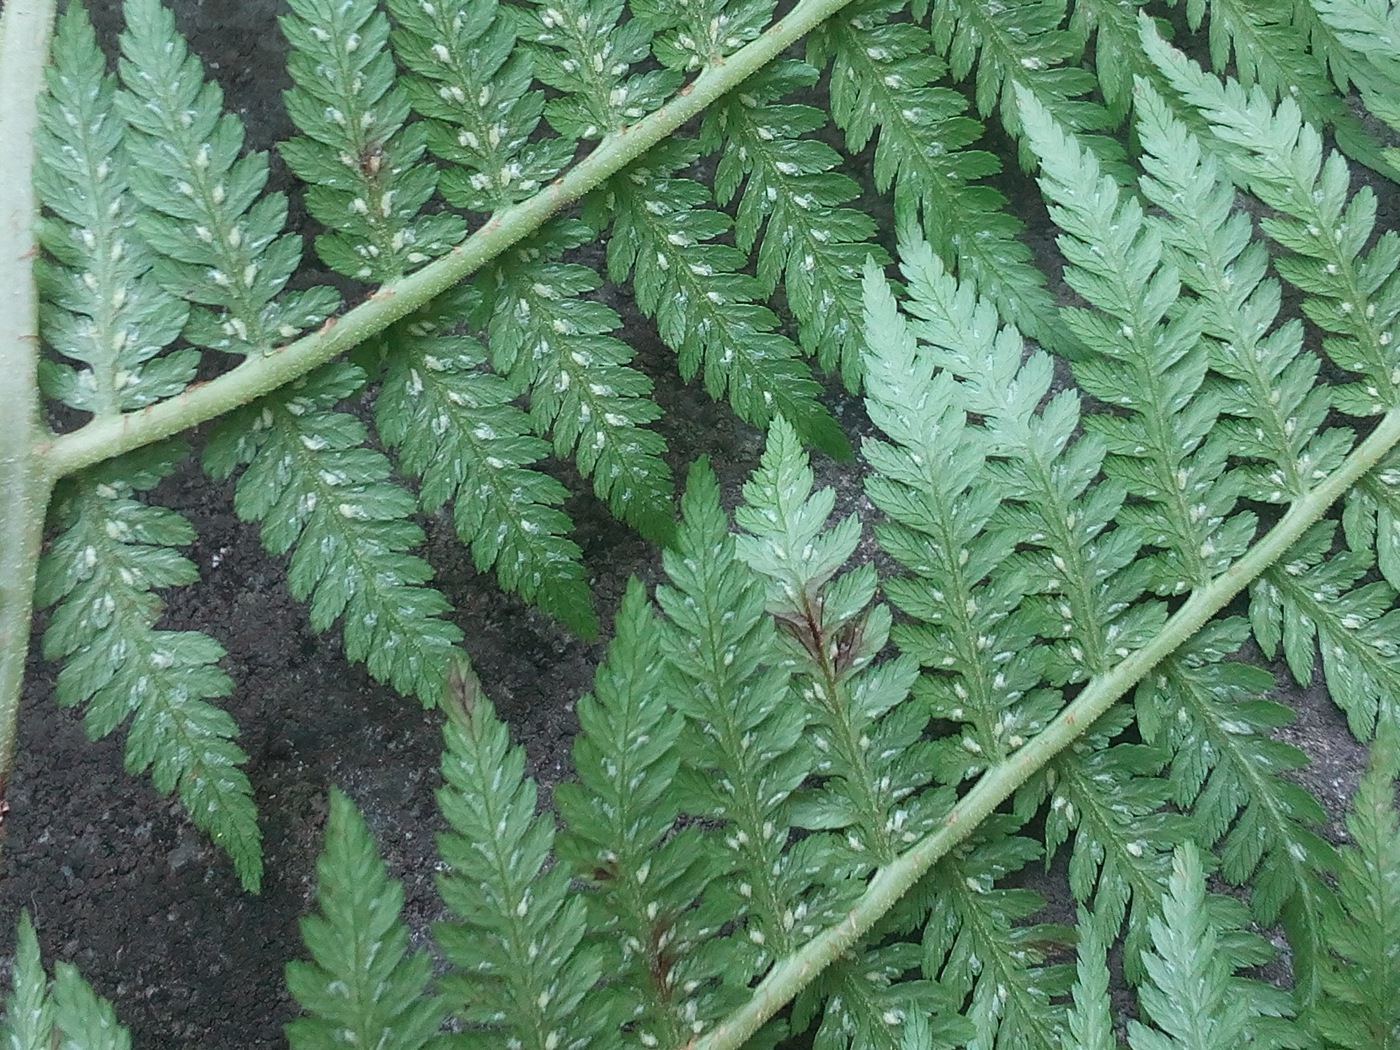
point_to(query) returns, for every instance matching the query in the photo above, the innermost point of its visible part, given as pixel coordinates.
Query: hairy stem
(25, 482)
(103, 438)
(792, 973)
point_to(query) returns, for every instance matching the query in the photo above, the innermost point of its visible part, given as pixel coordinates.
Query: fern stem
(25, 482)
(102, 439)
(792, 973)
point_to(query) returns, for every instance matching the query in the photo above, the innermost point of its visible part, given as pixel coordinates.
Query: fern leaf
(361, 988)
(931, 482)
(1269, 50)
(520, 974)
(744, 748)
(1111, 27)
(585, 52)
(85, 1020)
(550, 340)
(695, 33)
(645, 876)
(1363, 36)
(1232, 778)
(28, 1020)
(1088, 586)
(706, 308)
(1352, 294)
(102, 571)
(1362, 1008)
(1149, 363)
(362, 166)
(870, 1002)
(867, 738)
(1110, 798)
(218, 236)
(811, 242)
(472, 84)
(1018, 47)
(1194, 1000)
(456, 429)
(1275, 406)
(101, 305)
(975, 942)
(319, 492)
(882, 80)
(1371, 516)
(1090, 1020)
(1312, 602)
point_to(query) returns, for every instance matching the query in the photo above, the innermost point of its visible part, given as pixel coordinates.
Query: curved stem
(25, 483)
(104, 438)
(794, 972)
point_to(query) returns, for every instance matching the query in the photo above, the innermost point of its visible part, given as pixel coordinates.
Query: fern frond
(520, 973)
(1017, 47)
(219, 238)
(1194, 999)
(1362, 1008)
(870, 1002)
(971, 632)
(1111, 27)
(1086, 605)
(472, 84)
(1088, 587)
(362, 166)
(455, 428)
(320, 493)
(694, 33)
(883, 81)
(584, 51)
(866, 735)
(1090, 1019)
(1148, 362)
(547, 338)
(85, 1020)
(644, 875)
(1110, 799)
(1270, 51)
(976, 944)
(102, 570)
(1353, 295)
(1366, 36)
(1313, 602)
(28, 1017)
(361, 988)
(811, 242)
(1371, 516)
(706, 308)
(101, 304)
(1274, 405)
(1233, 779)
(744, 748)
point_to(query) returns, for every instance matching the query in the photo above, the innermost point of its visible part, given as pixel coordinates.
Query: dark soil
(115, 877)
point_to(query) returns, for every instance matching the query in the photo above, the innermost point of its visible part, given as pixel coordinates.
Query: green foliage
(102, 572)
(101, 302)
(817, 763)
(1362, 979)
(63, 1015)
(362, 987)
(455, 428)
(1193, 998)
(314, 486)
(218, 239)
(547, 338)
(360, 162)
